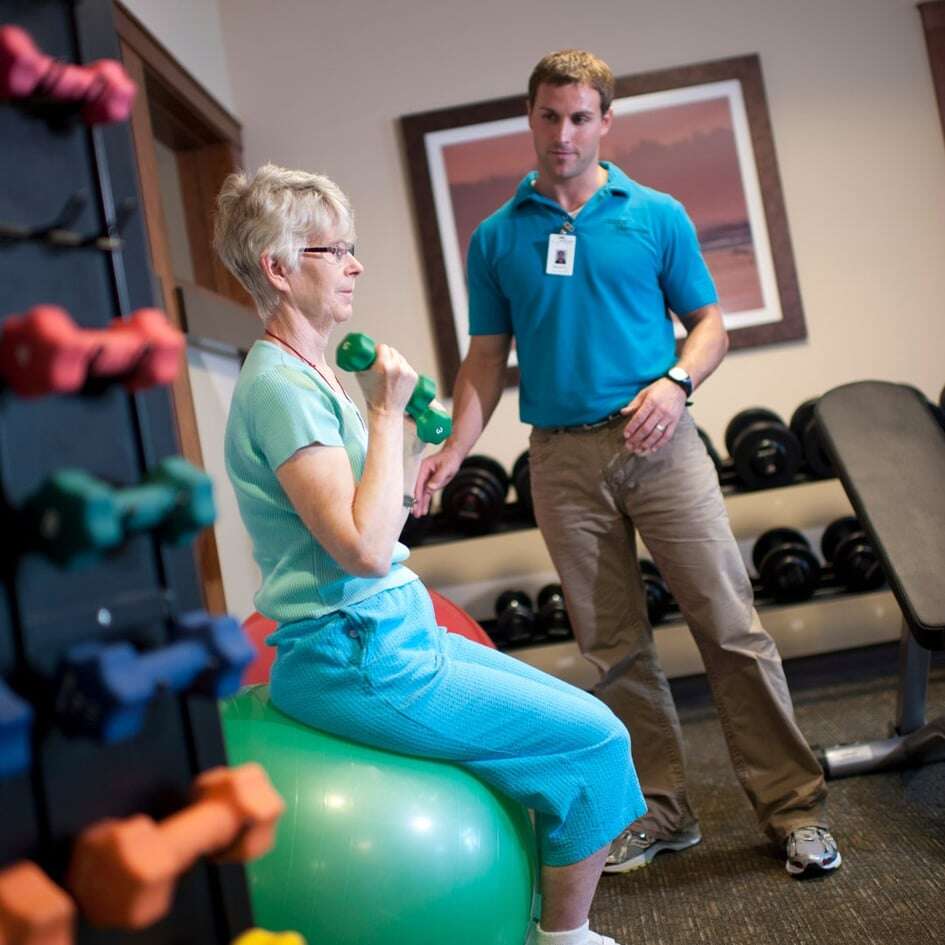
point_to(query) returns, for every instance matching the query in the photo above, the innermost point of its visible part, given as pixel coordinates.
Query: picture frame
(700, 132)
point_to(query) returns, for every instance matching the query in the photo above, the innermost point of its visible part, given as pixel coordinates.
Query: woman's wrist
(384, 415)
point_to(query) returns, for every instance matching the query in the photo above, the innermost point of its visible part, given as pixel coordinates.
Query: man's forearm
(704, 348)
(478, 389)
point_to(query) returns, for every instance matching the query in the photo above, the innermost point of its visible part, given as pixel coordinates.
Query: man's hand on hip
(654, 414)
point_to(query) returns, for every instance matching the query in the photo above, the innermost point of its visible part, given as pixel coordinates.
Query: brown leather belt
(582, 427)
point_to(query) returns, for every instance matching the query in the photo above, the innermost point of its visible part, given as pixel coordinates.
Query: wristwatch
(681, 377)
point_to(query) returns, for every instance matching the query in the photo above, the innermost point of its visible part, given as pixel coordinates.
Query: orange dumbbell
(45, 352)
(33, 909)
(104, 88)
(123, 872)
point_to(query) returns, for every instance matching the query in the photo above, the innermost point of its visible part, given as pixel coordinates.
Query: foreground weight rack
(109, 671)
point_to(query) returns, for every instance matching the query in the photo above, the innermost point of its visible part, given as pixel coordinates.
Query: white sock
(577, 936)
(595, 938)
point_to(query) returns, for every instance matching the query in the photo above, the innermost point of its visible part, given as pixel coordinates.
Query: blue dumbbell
(105, 689)
(16, 725)
(229, 649)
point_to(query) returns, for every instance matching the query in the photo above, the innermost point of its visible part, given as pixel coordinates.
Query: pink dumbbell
(104, 87)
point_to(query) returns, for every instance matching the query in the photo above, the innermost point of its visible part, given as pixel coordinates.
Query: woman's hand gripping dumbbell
(357, 352)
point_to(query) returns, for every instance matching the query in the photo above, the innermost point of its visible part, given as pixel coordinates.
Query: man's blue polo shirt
(587, 343)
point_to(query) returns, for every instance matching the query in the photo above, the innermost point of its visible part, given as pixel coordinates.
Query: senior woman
(324, 494)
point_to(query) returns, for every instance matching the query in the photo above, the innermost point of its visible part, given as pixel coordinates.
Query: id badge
(561, 248)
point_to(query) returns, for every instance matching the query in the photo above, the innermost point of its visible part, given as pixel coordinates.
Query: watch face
(678, 374)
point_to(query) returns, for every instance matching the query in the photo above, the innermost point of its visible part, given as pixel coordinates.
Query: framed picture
(699, 132)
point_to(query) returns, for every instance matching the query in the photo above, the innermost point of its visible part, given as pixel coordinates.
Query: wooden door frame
(173, 108)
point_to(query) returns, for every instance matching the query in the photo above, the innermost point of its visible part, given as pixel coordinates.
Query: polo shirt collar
(617, 183)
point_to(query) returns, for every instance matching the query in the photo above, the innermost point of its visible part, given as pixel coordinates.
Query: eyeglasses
(337, 250)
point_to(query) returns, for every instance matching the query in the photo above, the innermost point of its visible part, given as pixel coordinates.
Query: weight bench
(889, 451)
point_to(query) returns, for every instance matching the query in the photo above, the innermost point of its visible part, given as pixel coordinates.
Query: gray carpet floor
(733, 888)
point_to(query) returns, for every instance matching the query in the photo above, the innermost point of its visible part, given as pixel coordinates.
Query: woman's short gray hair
(274, 213)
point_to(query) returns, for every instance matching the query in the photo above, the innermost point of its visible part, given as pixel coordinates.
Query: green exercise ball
(377, 848)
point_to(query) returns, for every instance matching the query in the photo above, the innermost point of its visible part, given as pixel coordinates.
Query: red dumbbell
(123, 872)
(104, 87)
(22, 65)
(112, 94)
(163, 346)
(45, 352)
(33, 909)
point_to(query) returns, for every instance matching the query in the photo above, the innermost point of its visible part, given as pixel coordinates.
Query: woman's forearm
(378, 508)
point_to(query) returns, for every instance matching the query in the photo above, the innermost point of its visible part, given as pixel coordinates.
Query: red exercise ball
(448, 615)
(257, 628)
(456, 620)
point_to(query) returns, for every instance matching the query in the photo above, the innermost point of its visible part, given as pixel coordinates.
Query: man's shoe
(634, 849)
(811, 850)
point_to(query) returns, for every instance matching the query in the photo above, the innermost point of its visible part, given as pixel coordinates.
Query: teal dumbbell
(74, 518)
(357, 352)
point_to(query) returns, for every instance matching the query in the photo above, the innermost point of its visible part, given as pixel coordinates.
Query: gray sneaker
(634, 849)
(811, 850)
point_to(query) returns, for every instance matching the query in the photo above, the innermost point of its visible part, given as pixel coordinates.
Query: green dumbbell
(357, 352)
(72, 518)
(176, 500)
(75, 518)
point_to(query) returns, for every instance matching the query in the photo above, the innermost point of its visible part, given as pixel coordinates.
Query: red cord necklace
(314, 367)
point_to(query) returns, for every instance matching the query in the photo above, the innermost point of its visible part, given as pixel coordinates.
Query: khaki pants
(590, 497)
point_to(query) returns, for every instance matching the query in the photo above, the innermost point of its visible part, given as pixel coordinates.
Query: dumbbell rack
(437, 528)
(828, 588)
(516, 557)
(515, 517)
(48, 156)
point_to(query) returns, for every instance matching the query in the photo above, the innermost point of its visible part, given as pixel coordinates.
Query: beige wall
(190, 29)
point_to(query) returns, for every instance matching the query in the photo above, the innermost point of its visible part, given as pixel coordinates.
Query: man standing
(581, 268)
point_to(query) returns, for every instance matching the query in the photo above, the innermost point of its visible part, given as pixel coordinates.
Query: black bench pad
(889, 452)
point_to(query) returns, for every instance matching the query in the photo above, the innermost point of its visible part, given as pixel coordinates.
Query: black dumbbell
(710, 449)
(104, 689)
(515, 619)
(659, 600)
(804, 427)
(765, 451)
(473, 501)
(416, 530)
(788, 568)
(521, 479)
(855, 563)
(552, 614)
